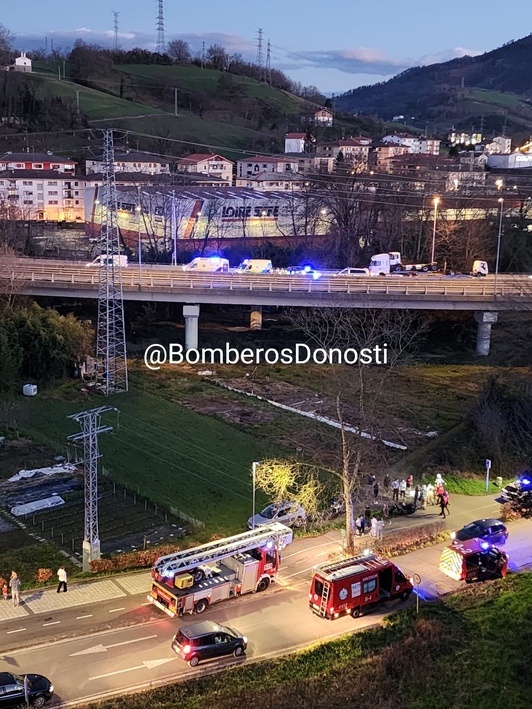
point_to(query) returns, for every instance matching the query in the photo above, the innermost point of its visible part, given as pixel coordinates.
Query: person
(385, 510)
(445, 498)
(417, 491)
(440, 490)
(395, 490)
(362, 525)
(380, 528)
(14, 585)
(439, 481)
(423, 497)
(386, 483)
(371, 480)
(373, 530)
(376, 490)
(430, 494)
(5, 590)
(358, 524)
(62, 576)
(402, 489)
(443, 501)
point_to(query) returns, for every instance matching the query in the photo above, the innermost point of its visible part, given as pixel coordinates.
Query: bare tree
(179, 51)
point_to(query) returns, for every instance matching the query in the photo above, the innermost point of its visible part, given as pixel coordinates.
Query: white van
(103, 259)
(254, 265)
(212, 264)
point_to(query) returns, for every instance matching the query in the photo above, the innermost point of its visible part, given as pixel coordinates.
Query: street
(104, 660)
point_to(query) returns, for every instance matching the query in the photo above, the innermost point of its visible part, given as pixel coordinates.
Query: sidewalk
(47, 600)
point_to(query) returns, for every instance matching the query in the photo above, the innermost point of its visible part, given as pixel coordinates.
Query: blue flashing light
(316, 275)
(525, 481)
(307, 269)
(485, 545)
(269, 544)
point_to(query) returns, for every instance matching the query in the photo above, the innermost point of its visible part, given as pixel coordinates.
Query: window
(370, 586)
(77, 201)
(318, 588)
(28, 201)
(38, 166)
(27, 182)
(54, 192)
(53, 201)
(52, 184)
(28, 193)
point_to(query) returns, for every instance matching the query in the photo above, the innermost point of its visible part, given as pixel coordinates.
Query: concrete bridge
(152, 283)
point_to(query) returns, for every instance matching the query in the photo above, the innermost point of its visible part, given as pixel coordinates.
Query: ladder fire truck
(190, 581)
(356, 585)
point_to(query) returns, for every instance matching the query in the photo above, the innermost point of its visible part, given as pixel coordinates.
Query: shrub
(140, 559)
(43, 575)
(509, 512)
(99, 565)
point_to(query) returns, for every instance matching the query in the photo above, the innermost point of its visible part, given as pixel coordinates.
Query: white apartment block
(132, 161)
(44, 197)
(250, 167)
(415, 144)
(208, 164)
(295, 142)
(273, 182)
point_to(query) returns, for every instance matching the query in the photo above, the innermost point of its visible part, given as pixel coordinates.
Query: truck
(210, 264)
(254, 265)
(473, 560)
(356, 585)
(119, 260)
(383, 264)
(191, 580)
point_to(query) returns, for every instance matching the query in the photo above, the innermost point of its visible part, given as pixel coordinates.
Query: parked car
(39, 690)
(491, 530)
(208, 640)
(523, 484)
(354, 272)
(288, 513)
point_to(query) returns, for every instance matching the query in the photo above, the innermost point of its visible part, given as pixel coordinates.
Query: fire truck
(474, 560)
(356, 585)
(190, 581)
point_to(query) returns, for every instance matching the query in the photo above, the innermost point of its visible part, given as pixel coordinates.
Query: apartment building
(249, 167)
(36, 161)
(208, 164)
(45, 196)
(273, 182)
(132, 161)
(355, 150)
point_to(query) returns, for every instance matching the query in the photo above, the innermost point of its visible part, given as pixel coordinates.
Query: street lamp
(138, 209)
(254, 475)
(501, 202)
(436, 202)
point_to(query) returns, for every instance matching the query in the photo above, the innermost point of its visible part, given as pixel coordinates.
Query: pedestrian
(5, 590)
(62, 576)
(371, 480)
(362, 525)
(402, 489)
(373, 530)
(439, 481)
(395, 490)
(409, 482)
(14, 585)
(386, 510)
(386, 483)
(443, 501)
(380, 528)
(423, 497)
(376, 489)
(417, 494)
(358, 524)
(445, 498)
(367, 515)
(430, 494)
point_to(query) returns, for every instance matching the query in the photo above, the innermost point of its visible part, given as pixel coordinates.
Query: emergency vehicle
(473, 560)
(191, 580)
(356, 585)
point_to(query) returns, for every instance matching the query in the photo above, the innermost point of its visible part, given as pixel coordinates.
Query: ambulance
(356, 585)
(473, 560)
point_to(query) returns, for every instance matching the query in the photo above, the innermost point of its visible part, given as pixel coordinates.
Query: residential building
(41, 195)
(355, 150)
(382, 152)
(248, 167)
(208, 164)
(500, 145)
(416, 144)
(23, 63)
(456, 138)
(295, 142)
(273, 182)
(321, 117)
(132, 161)
(36, 161)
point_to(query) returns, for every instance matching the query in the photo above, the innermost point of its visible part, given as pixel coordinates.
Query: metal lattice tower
(259, 52)
(268, 64)
(90, 428)
(115, 25)
(203, 58)
(161, 44)
(111, 356)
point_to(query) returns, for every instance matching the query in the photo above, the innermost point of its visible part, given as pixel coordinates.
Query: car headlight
(51, 688)
(245, 639)
(453, 535)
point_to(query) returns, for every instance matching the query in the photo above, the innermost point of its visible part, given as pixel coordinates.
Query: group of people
(14, 585)
(375, 529)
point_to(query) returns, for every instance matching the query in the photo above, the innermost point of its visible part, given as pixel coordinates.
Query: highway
(105, 662)
(167, 283)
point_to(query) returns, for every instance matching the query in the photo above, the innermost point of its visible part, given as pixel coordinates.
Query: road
(166, 283)
(103, 662)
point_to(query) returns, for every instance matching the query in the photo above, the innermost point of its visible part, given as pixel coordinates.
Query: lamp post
(436, 202)
(499, 183)
(139, 212)
(254, 475)
(174, 230)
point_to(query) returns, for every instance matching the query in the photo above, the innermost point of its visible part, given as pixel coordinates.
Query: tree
(179, 51)
(6, 43)
(217, 57)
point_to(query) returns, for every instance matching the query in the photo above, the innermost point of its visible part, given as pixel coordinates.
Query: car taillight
(187, 649)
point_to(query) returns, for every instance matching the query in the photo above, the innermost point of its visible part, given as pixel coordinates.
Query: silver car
(289, 513)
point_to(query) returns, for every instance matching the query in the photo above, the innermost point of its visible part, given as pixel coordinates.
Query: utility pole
(110, 337)
(175, 102)
(269, 64)
(115, 24)
(90, 427)
(174, 230)
(161, 44)
(203, 55)
(259, 52)
(139, 214)
(77, 99)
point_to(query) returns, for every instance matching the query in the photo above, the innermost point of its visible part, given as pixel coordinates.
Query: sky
(334, 47)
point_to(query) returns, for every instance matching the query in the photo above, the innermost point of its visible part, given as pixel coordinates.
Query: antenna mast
(115, 24)
(161, 44)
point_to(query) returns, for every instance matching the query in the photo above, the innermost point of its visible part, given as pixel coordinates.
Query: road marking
(307, 549)
(104, 648)
(55, 622)
(147, 664)
(323, 553)
(146, 604)
(115, 610)
(15, 631)
(79, 617)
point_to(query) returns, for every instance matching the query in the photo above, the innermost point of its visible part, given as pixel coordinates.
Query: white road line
(323, 553)
(118, 672)
(115, 610)
(55, 622)
(146, 604)
(307, 549)
(79, 617)
(134, 640)
(15, 631)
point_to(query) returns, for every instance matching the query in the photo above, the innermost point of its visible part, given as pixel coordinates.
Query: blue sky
(333, 46)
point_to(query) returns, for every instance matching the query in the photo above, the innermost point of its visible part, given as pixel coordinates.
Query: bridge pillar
(255, 320)
(191, 315)
(485, 321)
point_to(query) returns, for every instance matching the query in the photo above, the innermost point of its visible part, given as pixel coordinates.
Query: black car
(207, 640)
(492, 530)
(13, 693)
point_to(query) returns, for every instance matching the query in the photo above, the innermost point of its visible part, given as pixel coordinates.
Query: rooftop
(200, 157)
(137, 156)
(36, 157)
(296, 136)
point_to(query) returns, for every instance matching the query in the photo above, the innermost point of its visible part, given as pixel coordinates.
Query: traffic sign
(417, 579)
(488, 463)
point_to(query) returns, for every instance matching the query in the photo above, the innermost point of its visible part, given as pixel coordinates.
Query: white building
(322, 117)
(132, 161)
(512, 161)
(46, 196)
(273, 182)
(208, 164)
(36, 161)
(295, 142)
(499, 146)
(249, 167)
(23, 63)
(415, 144)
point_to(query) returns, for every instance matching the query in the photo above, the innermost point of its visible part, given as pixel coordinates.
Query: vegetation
(472, 650)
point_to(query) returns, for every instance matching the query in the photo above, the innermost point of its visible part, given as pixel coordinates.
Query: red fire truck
(190, 581)
(356, 585)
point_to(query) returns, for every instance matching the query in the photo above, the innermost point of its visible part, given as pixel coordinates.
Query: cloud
(448, 54)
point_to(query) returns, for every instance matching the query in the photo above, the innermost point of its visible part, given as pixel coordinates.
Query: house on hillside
(268, 181)
(132, 161)
(208, 164)
(354, 150)
(248, 167)
(36, 161)
(21, 63)
(320, 117)
(295, 142)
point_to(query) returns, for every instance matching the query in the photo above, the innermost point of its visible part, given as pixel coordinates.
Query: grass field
(472, 651)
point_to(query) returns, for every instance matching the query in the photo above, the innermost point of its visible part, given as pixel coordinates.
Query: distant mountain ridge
(448, 93)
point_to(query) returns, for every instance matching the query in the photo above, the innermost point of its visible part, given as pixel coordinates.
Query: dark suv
(207, 640)
(13, 693)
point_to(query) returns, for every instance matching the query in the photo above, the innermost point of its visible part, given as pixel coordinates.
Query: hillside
(493, 89)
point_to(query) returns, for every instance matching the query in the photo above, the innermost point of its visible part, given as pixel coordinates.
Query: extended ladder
(275, 534)
(325, 598)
